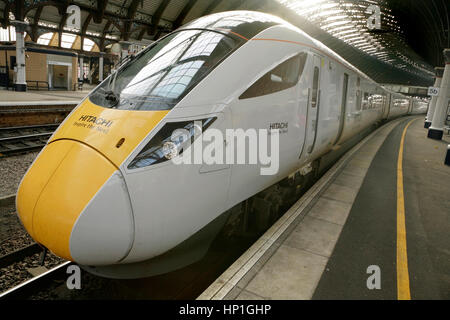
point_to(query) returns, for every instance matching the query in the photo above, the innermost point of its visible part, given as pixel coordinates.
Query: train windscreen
(160, 76)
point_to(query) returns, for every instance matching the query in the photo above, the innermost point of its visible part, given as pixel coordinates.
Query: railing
(37, 86)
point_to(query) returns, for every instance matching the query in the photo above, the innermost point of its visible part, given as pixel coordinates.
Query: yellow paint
(403, 289)
(72, 168)
(133, 126)
(36, 179)
(73, 184)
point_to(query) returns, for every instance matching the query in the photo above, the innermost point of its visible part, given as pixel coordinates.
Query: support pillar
(81, 69)
(437, 84)
(443, 103)
(100, 67)
(21, 81)
(90, 72)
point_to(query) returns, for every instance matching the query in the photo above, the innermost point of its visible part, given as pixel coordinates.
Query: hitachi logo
(98, 121)
(280, 126)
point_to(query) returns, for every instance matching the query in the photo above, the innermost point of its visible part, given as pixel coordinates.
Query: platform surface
(37, 96)
(322, 247)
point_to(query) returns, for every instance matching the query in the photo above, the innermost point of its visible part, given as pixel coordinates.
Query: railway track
(31, 286)
(19, 255)
(37, 284)
(16, 140)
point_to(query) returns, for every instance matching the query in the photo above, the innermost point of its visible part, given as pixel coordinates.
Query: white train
(102, 193)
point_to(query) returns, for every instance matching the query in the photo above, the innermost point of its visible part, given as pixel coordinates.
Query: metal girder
(213, 5)
(157, 16)
(235, 4)
(141, 34)
(255, 4)
(105, 30)
(60, 29)
(99, 14)
(34, 28)
(179, 20)
(132, 9)
(63, 12)
(86, 24)
(19, 9)
(84, 29)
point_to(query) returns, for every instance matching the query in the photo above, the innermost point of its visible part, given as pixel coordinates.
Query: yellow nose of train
(74, 199)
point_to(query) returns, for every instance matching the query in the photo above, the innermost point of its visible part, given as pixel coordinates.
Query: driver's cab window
(283, 77)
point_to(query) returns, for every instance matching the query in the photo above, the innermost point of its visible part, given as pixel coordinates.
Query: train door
(343, 108)
(387, 106)
(314, 105)
(411, 105)
(271, 103)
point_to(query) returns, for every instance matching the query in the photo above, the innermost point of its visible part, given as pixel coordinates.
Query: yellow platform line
(403, 289)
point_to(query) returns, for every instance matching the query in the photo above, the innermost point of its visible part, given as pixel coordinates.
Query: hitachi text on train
(98, 121)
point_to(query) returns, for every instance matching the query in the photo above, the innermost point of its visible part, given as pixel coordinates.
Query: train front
(74, 199)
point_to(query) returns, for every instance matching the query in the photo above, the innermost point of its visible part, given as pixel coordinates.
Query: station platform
(12, 98)
(33, 108)
(359, 215)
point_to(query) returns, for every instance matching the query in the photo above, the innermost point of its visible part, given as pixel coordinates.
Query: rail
(24, 139)
(19, 255)
(36, 284)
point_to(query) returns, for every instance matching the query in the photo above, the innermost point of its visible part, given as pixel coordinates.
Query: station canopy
(384, 54)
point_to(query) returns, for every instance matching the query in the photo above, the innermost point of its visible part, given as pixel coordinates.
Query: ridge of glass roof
(346, 20)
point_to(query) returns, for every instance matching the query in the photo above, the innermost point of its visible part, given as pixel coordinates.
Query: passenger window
(283, 77)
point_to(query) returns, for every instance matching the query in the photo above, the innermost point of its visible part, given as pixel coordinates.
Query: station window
(67, 40)
(88, 44)
(283, 77)
(45, 38)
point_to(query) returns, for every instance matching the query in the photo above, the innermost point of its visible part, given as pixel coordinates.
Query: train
(104, 192)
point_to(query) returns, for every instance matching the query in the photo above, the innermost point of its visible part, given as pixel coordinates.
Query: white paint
(20, 58)
(442, 103)
(434, 99)
(81, 66)
(103, 233)
(171, 203)
(433, 91)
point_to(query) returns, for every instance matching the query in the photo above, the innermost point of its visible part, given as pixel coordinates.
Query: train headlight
(170, 150)
(170, 142)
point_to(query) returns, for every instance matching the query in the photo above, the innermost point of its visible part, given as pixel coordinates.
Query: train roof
(245, 23)
(248, 24)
